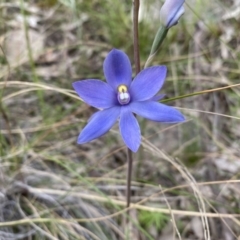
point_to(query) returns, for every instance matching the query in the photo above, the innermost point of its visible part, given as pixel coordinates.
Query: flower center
(123, 95)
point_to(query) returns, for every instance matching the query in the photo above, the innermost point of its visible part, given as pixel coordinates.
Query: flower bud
(170, 12)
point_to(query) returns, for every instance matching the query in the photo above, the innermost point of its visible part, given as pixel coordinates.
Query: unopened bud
(170, 12)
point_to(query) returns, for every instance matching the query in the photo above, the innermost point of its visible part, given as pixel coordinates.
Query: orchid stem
(137, 66)
(129, 176)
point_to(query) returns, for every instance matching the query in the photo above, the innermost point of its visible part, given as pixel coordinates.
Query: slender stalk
(129, 176)
(135, 35)
(199, 93)
(137, 66)
(30, 55)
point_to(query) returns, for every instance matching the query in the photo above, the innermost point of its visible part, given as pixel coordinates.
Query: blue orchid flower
(121, 98)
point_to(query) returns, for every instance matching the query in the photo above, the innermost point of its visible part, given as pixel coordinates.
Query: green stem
(30, 55)
(199, 93)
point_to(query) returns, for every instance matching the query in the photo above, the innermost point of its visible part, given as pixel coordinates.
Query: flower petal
(117, 69)
(157, 112)
(96, 93)
(129, 129)
(147, 83)
(99, 124)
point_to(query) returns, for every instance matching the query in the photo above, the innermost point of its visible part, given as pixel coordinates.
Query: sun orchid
(121, 98)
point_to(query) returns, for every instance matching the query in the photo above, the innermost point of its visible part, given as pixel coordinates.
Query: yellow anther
(122, 88)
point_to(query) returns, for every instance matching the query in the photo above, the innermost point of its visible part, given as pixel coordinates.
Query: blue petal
(129, 129)
(147, 83)
(157, 112)
(96, 93)
(117, 69)
(99, 124)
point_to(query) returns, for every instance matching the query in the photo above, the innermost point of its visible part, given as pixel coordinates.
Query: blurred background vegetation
(186, 177)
